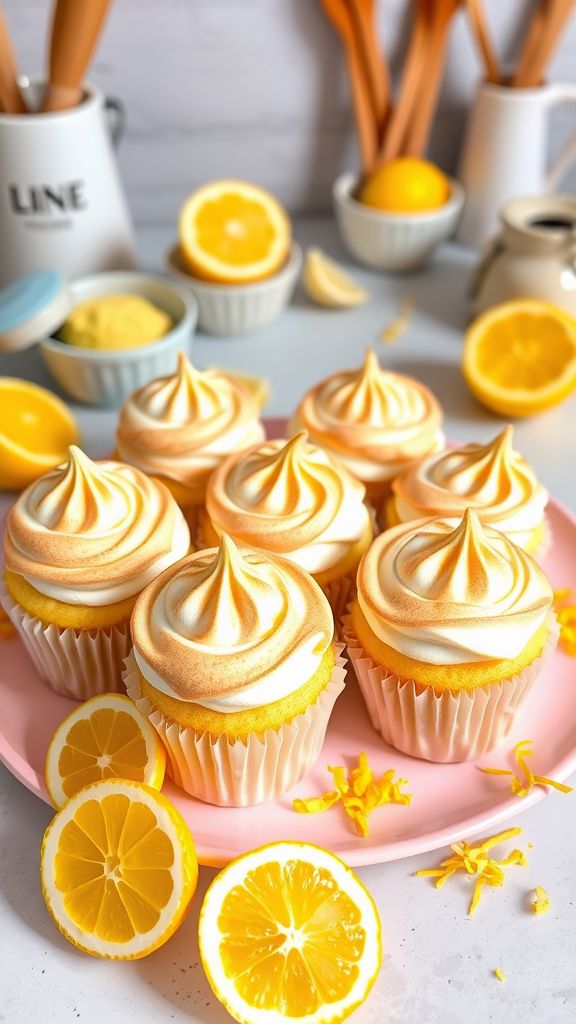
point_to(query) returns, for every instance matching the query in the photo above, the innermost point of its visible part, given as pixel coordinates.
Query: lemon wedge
(36, 429)
(328, 284)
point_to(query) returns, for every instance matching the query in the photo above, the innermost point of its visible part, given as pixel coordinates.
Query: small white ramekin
(239, 308)
(107, 376)
(393, 241)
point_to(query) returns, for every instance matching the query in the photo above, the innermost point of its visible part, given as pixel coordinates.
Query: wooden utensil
(337, 12)
(76, 28)
(477, 16)
(548, 23)
(363, 14)
(11, 101)
(439, 15)
(404, 108)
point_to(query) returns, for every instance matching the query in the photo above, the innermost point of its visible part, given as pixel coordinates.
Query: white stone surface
(439, 963)
(257, 89)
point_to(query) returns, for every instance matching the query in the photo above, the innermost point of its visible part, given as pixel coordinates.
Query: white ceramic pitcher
(505, 153)
(62, 204)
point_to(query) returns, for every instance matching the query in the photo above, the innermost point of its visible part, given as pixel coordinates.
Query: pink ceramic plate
(449, 803)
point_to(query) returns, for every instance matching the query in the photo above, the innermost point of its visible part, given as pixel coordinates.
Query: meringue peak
(81, 496)
(461, 566)
(220, 599)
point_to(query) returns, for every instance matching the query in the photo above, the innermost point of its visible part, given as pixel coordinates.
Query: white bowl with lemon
(236, 255)
(397, 218)
(124, 329)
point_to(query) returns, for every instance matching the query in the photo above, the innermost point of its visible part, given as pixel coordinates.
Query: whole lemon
(406, 185)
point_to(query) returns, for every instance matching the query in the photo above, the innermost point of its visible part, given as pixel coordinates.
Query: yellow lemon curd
(115, 322)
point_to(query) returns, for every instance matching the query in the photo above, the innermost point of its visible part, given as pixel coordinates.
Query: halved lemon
(233, 232)
(289, 933)
(36, 429)
(328, 284)
(519, 357)
(105, 738)
(118, 869)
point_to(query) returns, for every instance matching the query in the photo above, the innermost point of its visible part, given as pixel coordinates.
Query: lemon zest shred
(522, 786)
(499, 974)
(399, 325)
(566, 615)
(475, 860)
(541, 901)
(359, 792)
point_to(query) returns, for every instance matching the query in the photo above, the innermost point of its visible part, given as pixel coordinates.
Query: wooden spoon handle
(530, 44)
(11, 101)
(556, 16)
(376, 68)
(403, 110)
(430, 81)
(363, 112)
(76, 29)
(477, 16)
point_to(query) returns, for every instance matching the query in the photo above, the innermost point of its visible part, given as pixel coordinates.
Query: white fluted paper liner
(238, 773)
(441, 726)
(77, 663)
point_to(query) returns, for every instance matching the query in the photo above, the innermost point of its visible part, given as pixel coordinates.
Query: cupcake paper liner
(77, 663)
(441, 726)
(238, 773)
(545, 544)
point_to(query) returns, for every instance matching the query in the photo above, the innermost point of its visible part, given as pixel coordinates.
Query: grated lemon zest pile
(522, 786)
(566, 615)
(541, 902)
(499, 974)
(7, 630)
(399, 325)
(359, 792)
(474, 860)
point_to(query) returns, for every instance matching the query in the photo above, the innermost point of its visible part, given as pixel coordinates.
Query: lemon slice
(118, 869)
(233, 232)
(328, 284)
(106, 737)
(289, 933)
(519, 357)
(36, 429)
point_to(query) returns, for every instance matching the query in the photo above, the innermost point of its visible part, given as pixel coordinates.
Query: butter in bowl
(102, 336)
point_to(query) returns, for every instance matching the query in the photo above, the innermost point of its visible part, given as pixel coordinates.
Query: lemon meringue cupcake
(235, 665)
(374, 421)
(449, 630)
(80, 544)
(294, 500)
(491, 478)
(179, 428)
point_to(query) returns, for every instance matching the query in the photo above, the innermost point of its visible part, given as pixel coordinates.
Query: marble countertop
(439, 963)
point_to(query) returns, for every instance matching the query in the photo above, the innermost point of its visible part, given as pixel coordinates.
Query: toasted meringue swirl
(452, 592)
(492, 478)
(182, 426)
(94, 532)
(291, 498)
(231, 630)
(375, 421)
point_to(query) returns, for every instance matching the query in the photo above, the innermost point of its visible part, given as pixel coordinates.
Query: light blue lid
(32, 307)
